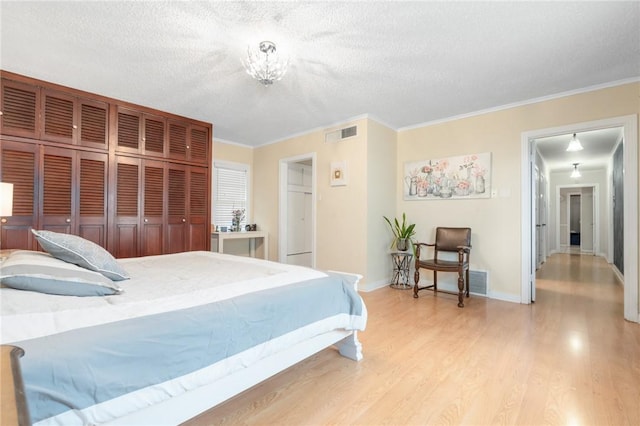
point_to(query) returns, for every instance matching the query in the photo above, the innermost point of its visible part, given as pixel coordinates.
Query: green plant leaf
(400, 230)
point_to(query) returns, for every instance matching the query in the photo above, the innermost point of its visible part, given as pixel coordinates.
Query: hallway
(582, 300)
(568, 279)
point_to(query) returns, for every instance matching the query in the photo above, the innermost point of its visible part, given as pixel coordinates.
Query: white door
(295, 223)
(544, 212)
(533, 184)
(299, 215)
(586, 221)
(541, 218)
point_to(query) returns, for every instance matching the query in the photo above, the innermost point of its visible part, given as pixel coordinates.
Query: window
(230, 191)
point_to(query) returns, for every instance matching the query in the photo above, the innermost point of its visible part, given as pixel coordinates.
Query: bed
(182, 334)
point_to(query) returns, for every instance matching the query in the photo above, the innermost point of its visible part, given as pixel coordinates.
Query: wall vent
(340, 134)
(478, 282)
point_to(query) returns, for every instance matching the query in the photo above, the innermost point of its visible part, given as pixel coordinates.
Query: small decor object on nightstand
(238, 215)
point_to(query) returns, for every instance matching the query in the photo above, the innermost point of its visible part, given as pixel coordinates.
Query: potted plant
(402, 232)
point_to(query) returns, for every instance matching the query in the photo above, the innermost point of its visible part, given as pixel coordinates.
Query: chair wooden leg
(416, 279)
(435, 282)
(460, 290)
(467, 282)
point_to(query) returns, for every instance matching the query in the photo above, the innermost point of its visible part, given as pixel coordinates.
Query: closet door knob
(68, 220)
(146, 220)
(3, 220)
(184, 220)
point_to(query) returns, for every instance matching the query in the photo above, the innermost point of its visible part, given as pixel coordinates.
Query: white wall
(597, 178)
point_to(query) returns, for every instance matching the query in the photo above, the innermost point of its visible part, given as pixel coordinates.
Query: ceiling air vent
(338, 135)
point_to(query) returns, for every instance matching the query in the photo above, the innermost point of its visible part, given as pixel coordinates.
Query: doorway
(630, 209)
(577, 216)
(297, 211)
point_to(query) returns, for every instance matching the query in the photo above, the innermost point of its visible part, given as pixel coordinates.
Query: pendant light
(575, 173)
(575, 144)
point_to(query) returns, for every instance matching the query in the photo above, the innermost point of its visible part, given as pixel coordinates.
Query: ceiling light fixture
(265, 65)
(575, 173)
(575, 144)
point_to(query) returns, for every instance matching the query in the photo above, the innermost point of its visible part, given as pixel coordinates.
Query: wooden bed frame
(192, 403)
(14, 406)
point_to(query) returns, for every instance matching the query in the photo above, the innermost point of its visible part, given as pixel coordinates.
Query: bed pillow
(85, 253)
(41, 272)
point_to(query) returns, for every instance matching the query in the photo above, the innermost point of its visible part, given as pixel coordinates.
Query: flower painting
(463, 177)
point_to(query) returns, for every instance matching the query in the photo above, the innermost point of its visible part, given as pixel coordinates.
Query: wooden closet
(132, 179)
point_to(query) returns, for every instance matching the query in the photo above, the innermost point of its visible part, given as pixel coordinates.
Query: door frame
(283, 190)
(596, 213)
(629, 124)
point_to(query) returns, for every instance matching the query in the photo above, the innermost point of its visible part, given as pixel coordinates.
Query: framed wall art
(338, 173)
(463, 177)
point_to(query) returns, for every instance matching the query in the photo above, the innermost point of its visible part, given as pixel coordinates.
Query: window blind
(230, 192)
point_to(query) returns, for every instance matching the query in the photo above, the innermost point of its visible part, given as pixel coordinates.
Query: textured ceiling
(401, 63)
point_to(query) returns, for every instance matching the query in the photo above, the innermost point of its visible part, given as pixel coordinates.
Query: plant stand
(401, 264)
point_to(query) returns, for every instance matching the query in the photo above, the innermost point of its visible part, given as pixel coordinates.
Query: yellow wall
(232, 152)
(350, 233)
(341, 231)
(496, 222)
(381, 195)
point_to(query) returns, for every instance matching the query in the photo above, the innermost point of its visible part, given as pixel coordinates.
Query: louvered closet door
(20, 109)
(199, 228)
(58, 117)
(93, 122)
(92, 197)
(128, 130)
(154, 132)
(153, 183)
(127, 218)
(56, 213)
(177, 237)
(19, 166)
(198, 144)
(178, 140)
(73, 120)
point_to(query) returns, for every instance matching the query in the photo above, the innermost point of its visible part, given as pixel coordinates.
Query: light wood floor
(568, 359)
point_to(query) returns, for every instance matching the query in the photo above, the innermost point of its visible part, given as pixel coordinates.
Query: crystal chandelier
(265, 65)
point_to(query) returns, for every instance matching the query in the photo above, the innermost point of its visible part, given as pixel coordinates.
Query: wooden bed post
(14, 404)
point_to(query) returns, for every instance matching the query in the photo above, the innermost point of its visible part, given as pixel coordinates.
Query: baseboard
(618, 274)
(374, 285)
(505, 297)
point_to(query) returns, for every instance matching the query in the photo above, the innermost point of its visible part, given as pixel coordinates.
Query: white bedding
(161, 284)
(153, 288)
